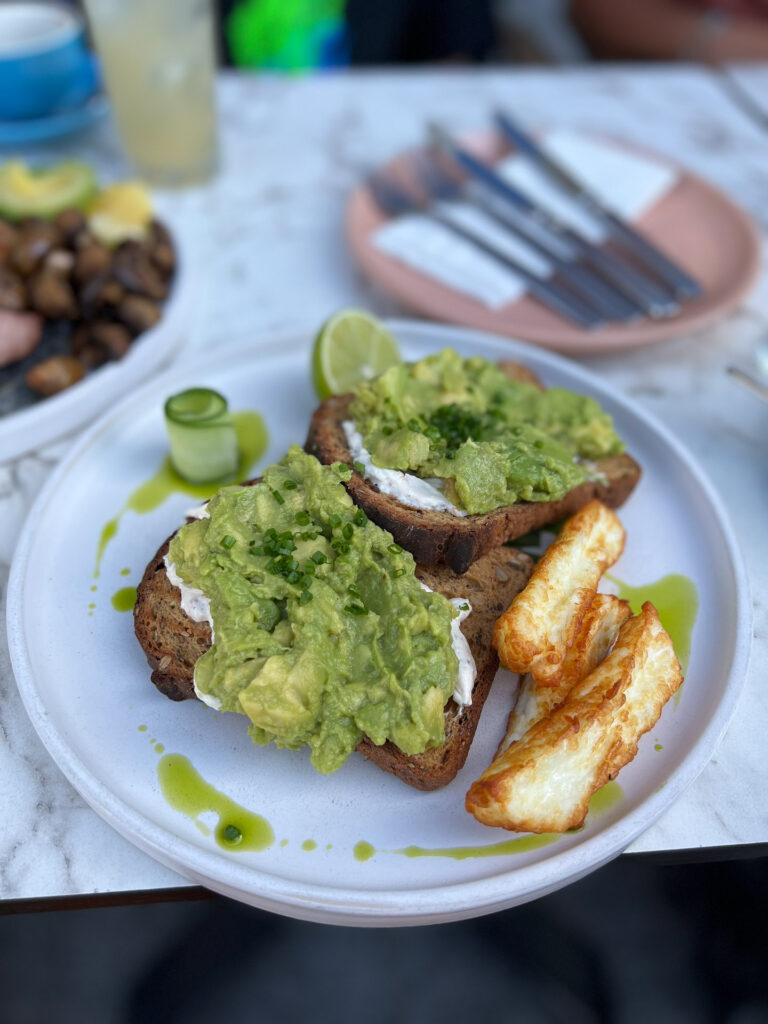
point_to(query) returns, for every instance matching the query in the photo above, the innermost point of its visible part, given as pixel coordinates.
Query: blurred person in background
(710, 31)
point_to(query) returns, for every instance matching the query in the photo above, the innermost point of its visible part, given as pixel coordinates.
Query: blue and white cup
(45, 65)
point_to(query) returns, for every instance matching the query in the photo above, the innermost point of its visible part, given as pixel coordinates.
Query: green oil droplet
(523, 844)
(657, 746)
(125, 572)
(94, 587)
(252, 438)
(363, 850)
(329, 846)
(91, 605)
(605, 798)
(188, 792)
(124, 600)
(107, 534)
(142, 728)
(283, 842)
(309, 844)
(159, 748)
(676, 600)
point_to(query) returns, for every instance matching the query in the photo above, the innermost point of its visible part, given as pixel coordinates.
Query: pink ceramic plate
(695, 224)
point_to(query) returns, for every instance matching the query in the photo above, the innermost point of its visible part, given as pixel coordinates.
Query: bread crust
(439, 537)
(172, 643)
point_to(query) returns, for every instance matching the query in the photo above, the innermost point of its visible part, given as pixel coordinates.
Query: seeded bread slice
(435, 537)
(172, 643)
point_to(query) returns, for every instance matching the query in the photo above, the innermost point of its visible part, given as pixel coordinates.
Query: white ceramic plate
(86, 684)
(53, 417)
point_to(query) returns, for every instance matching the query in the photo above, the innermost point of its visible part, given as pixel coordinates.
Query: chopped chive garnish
(305, 597)
(360, 518)
(353, 590)
(398, 572)
(278, 497)
(464, 607)
(290, 485)
(334, 520)
(302, 518)
(228, 541)
(359, 467)
(318, 557)
(309, 568)
(347, 531)
(395, 549)
(356, 609)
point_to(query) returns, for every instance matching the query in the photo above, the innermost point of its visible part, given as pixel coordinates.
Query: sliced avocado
(44, 192)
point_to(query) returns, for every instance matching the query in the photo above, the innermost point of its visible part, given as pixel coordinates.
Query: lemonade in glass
(158, 62)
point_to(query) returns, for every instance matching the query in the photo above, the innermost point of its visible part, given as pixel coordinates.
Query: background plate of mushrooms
(94, 296)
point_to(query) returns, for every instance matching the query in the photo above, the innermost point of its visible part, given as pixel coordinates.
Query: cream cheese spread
(197, 606)
(406, 487)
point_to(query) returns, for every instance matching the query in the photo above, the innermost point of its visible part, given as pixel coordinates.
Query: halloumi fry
(544, 782)
(597, 635)
(543, 620)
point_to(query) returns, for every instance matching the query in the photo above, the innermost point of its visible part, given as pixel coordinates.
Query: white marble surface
(270, 231)
(751, 80)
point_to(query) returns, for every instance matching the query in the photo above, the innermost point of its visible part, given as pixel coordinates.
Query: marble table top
(269, 228)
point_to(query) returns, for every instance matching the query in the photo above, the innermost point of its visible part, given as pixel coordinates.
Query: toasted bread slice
(172, 643)
(435, 537)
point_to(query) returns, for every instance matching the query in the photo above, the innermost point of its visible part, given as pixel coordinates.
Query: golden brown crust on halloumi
(597, 635)
(543, 621)
(543, 783)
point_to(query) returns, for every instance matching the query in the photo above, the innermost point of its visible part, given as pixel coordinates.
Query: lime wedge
(26, 192)
(351, 347)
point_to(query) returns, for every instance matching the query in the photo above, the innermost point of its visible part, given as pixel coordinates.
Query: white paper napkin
(628, 183)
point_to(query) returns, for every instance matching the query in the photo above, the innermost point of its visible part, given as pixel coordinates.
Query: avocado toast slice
(435, 536)
(173, 643)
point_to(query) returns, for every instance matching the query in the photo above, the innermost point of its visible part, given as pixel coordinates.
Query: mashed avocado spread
(489, 440)
(322, 633)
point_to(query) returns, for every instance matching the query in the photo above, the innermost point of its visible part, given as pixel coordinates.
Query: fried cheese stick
(544, 782)
(540, 625)
(596, 636)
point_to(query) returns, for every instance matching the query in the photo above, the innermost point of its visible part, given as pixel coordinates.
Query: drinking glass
(158, 62)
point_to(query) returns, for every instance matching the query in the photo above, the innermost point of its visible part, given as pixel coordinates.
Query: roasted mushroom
(133, 268)
(70, 223)
(54, 374)
(13, 294)
(51, 294)
(34, 241)
(113, 339)
(137, 313)
(8, 235)
(90, 260)
(101, 291)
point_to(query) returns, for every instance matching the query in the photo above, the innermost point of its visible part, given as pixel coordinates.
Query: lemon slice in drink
(120, 212)
(351, 347)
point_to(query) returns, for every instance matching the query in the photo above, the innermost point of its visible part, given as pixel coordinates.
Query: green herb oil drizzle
(188, 792)
(676, 600)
